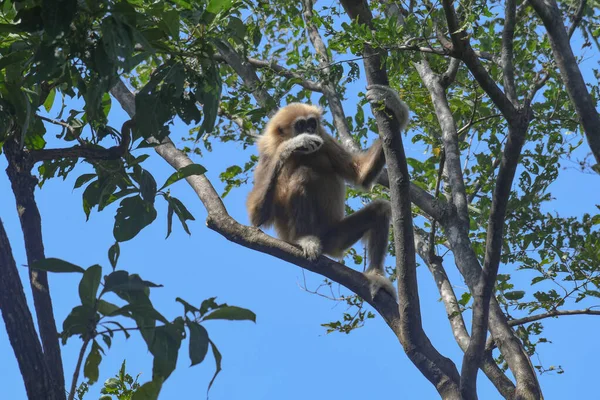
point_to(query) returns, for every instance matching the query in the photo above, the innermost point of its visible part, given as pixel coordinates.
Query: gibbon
(299, 186)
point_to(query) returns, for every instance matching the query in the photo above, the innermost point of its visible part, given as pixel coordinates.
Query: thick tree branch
(21, 329)
(484, 288)
(88, 152)
(552, 314)
(571, 74)
(23, 185)
(438, 369)
(488, 365)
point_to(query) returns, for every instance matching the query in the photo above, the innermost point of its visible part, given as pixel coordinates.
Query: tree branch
(462, 49)
(23, 185)
(583, 102)
(508, 36)
(484, 288)
(551, 314)
(21, 329)
(335, 105)
(281, 71)
(87, 151)
(449, 137)
(488, 365)
(438, 369)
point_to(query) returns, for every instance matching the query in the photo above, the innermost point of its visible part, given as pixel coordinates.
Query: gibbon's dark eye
(311, 125)
(300, 126)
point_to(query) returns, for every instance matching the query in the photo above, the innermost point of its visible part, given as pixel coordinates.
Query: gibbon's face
(296, 119)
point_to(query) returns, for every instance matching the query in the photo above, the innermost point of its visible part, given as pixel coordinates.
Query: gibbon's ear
(279, 130)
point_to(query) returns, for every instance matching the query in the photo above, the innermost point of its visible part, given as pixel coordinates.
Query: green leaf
(209, 304)
(182, 213)
(91, 368)
(145, 311)
(50, 100)
(88, 286)
(16, 57)
(515, 295)
(165, 349)
(107, 309)
(113, 254)
(232, 313)
(188, 170)
(83, 179)
(198, 342)
(170, 212)
(218, 359)
(148, 391)
(121, 281)
(215, 6)
(133, 215)
(56, 265)
(147, 186)
(80, 321)
(187, 306)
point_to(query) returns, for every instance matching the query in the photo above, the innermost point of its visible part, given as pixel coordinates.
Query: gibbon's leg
(373, 224)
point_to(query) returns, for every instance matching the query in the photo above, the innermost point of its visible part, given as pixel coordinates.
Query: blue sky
(286, 354)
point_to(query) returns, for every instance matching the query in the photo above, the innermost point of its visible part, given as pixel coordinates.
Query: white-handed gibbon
(299, 186)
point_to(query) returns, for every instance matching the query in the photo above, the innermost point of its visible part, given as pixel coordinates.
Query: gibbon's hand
(384, 94)
(304, 143)
(307, 143)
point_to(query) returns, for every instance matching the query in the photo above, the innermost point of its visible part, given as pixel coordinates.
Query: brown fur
(304, 194)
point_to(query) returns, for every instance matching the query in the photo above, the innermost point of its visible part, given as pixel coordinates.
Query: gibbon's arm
(363, 168)
(360, 169)
(260, 199)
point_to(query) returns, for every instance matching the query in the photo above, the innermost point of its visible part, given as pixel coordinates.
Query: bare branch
(449, 137)
(577, 17)
(440, 370)
(508, 36)
(21, 329)
(75, 378)
(449, 76)
(552, 314)
(567, 63)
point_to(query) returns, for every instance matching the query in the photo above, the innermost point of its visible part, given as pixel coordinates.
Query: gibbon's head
(291, 120)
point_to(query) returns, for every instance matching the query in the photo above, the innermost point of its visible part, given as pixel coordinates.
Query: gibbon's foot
(311, 246)
(384, 94)
(378, 281)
